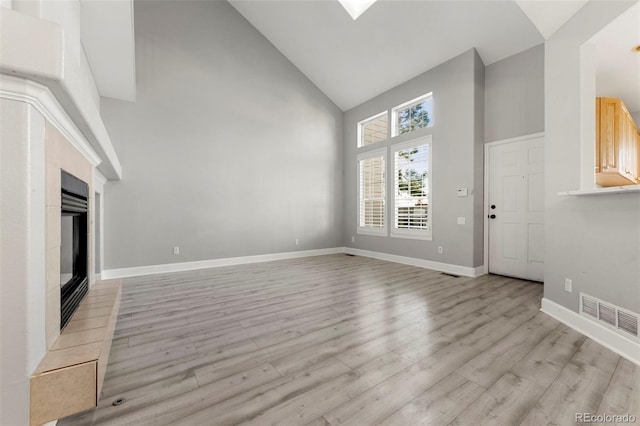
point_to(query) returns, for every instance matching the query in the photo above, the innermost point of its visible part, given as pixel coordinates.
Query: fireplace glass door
(74, 282)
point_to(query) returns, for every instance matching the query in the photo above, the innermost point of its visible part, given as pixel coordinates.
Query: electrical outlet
(353, 239)
(176, 250)
(568, 285)
(440, 250)
(297, 241)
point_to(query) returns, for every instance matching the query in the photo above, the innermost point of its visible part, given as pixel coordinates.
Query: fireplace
(74, 282)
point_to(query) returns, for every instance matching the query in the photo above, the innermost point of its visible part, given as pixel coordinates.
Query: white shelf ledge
(602, 191)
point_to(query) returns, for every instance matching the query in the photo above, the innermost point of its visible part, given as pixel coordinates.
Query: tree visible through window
(413, 115)
(412, 188)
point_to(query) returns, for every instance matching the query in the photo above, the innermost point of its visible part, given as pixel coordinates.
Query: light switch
(461, 220)
(462, 192)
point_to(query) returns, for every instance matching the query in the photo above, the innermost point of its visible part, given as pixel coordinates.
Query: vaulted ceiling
(350, 60)
(393, 41)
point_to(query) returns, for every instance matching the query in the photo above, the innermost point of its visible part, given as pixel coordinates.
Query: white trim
(98, 187)
(100, 178)
(375, 232)
(373, 153)
(601, 191)
(410, 236)
(516, 139)
(213, 263)
(421, 263)
(487, 168)
(243, 260)
(603, 335)
(41, 98)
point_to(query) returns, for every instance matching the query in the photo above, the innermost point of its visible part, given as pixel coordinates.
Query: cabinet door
(627, 154)
(633, 150)
(609, 130)
(624, 147)
(638, 157)
(598, 149)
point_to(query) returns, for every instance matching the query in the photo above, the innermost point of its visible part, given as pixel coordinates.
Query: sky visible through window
(416, 116)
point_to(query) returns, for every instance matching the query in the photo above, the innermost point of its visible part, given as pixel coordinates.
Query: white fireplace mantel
(37, 70)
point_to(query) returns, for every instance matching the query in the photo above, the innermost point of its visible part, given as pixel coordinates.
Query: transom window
(372, 193)
(412, 189)
(412, 115)
(373, 129)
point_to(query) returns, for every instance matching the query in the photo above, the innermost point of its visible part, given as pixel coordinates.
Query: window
(412, 115)
(373, 129)
(355, 8)
(412, 189)
(371, 193)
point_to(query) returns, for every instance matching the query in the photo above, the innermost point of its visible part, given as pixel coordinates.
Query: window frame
(361, 123)
(365, 230)
(418, 234)
(396, 109)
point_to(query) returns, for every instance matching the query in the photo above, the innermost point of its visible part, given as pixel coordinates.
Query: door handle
(492, 216)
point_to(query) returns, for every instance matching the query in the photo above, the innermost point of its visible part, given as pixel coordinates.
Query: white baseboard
(230, 261)
(606, 337)
(437, 266)
(213, 263)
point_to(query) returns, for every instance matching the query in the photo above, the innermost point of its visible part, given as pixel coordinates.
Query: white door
(516, 209)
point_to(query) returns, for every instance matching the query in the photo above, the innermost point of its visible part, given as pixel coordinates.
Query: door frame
(487, 167)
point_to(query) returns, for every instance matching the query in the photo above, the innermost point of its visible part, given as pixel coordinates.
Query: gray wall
(457, 162)
(636, 118)
(228, 151)
(514, 95)
(594, 240)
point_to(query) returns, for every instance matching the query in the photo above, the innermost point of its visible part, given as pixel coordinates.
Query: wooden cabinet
(617, 144)
(638, 155)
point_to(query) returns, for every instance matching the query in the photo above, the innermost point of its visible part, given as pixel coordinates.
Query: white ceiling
(107, 33)
(549, 15)
(617, 67)
(393, 41)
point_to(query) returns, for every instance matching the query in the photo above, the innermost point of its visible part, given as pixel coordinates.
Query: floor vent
(623, 321)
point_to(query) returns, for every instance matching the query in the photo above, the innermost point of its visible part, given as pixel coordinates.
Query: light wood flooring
(340, 339)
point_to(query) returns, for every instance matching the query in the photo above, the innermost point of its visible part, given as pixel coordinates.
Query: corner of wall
(592, 240)
(478, 175)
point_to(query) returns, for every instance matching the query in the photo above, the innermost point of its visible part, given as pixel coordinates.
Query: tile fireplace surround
(60, 155)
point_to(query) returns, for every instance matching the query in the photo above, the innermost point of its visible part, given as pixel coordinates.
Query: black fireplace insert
(74, 281)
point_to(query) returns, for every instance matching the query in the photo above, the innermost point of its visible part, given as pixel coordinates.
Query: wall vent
(607, 313)
(623, 321)
(589, 306)
(628, 323)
